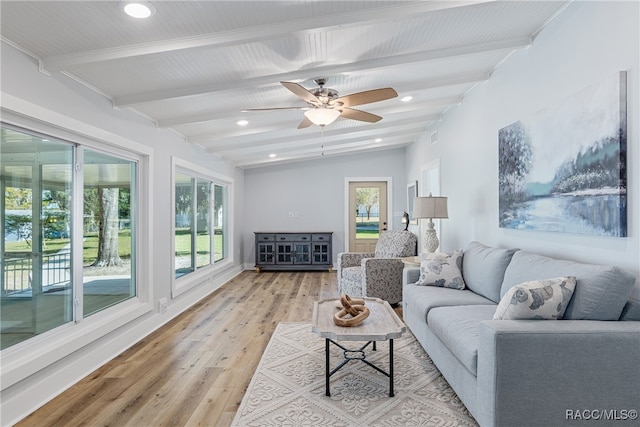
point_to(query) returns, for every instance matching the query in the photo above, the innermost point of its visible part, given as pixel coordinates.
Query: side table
(411, 261)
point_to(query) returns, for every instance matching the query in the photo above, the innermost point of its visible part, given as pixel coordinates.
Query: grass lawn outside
(367, 229)
(90, 245)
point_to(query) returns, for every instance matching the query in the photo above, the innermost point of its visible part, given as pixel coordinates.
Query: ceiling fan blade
(367, 97)
(305, 123)
(274, 108)
(363, 116)
(301, 92)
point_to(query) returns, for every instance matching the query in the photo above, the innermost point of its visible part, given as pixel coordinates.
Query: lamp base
(431, 241)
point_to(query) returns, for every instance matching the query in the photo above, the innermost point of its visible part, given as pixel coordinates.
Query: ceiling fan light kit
(322, 116)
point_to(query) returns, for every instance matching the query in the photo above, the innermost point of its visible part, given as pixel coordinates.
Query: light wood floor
(193, 371)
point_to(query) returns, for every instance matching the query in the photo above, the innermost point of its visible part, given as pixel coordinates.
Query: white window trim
(202, 275)
(28, 357)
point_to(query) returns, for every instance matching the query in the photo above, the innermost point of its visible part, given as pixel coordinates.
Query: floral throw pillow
(537, 299)
(443, 269)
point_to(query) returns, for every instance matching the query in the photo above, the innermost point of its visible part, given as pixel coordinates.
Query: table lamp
(430, 207)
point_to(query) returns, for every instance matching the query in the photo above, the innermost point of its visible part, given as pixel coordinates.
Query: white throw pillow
(443, 269)
(537, 299)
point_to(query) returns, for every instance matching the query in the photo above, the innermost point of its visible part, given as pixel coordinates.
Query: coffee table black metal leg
(362, 358)
(327, 374)
(391, 368)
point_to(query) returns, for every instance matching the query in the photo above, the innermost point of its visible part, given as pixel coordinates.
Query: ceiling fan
(326, 105)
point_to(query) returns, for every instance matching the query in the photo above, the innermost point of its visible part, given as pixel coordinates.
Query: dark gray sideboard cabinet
(294, 251)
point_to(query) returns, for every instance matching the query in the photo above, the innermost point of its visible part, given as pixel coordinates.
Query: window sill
(201, 276)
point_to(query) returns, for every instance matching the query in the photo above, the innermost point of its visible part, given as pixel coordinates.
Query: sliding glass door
(52, 193)
(37, 288)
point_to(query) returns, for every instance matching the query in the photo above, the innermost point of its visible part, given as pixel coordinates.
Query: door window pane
(36, 287)
(108, 246)
(367, 213)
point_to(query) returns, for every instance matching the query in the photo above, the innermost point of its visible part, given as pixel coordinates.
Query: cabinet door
(321, 253)
(284, 252)
(266, 253)
(302, 253)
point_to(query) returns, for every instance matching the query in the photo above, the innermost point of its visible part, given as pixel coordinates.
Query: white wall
(65, 102)
(587, 43)
(316, 190)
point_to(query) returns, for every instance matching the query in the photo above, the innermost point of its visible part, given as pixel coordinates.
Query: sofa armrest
(551, 372)
(352, 259)
(410, 275)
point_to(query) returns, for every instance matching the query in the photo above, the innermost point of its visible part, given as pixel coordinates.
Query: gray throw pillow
(441, 269)
(539, 299)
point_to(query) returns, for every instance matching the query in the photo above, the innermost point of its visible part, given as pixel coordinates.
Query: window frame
(28, 357)
(201, 275)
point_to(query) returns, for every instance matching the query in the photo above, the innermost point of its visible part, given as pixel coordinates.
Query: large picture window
(108, 227)
(200, 222)
(43, 272)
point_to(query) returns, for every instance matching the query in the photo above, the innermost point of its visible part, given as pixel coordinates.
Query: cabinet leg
(258, 269)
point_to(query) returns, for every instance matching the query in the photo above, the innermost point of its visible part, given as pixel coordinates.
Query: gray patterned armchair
(377, 274)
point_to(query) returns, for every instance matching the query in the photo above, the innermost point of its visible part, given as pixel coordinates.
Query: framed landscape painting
(564, 168)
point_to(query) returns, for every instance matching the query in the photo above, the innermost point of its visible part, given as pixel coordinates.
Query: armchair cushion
(352, 273)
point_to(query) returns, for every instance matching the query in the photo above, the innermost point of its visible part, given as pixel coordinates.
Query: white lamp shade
(322, 116)
(430, 207)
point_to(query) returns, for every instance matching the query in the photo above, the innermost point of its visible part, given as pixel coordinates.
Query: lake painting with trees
(564, 168)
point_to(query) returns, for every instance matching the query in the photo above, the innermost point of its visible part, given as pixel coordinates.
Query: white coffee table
(383, 324)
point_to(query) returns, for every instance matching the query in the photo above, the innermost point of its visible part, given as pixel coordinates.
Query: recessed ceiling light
(406, 98)
(138, 9)
(377, 140)
(272, 155)
(242, 122)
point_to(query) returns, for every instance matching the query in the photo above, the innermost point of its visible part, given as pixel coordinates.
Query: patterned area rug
(288, 387)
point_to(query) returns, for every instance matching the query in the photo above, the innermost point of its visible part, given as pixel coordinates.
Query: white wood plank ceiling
(194, 66)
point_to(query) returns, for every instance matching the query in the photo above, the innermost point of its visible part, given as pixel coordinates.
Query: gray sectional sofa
(584, 368)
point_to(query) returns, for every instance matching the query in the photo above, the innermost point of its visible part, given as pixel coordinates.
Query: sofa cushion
(441, 269)
(457, 328)
(421, 299)
(631, 310)
(601, 292)
(483, 269)
(538, 299)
